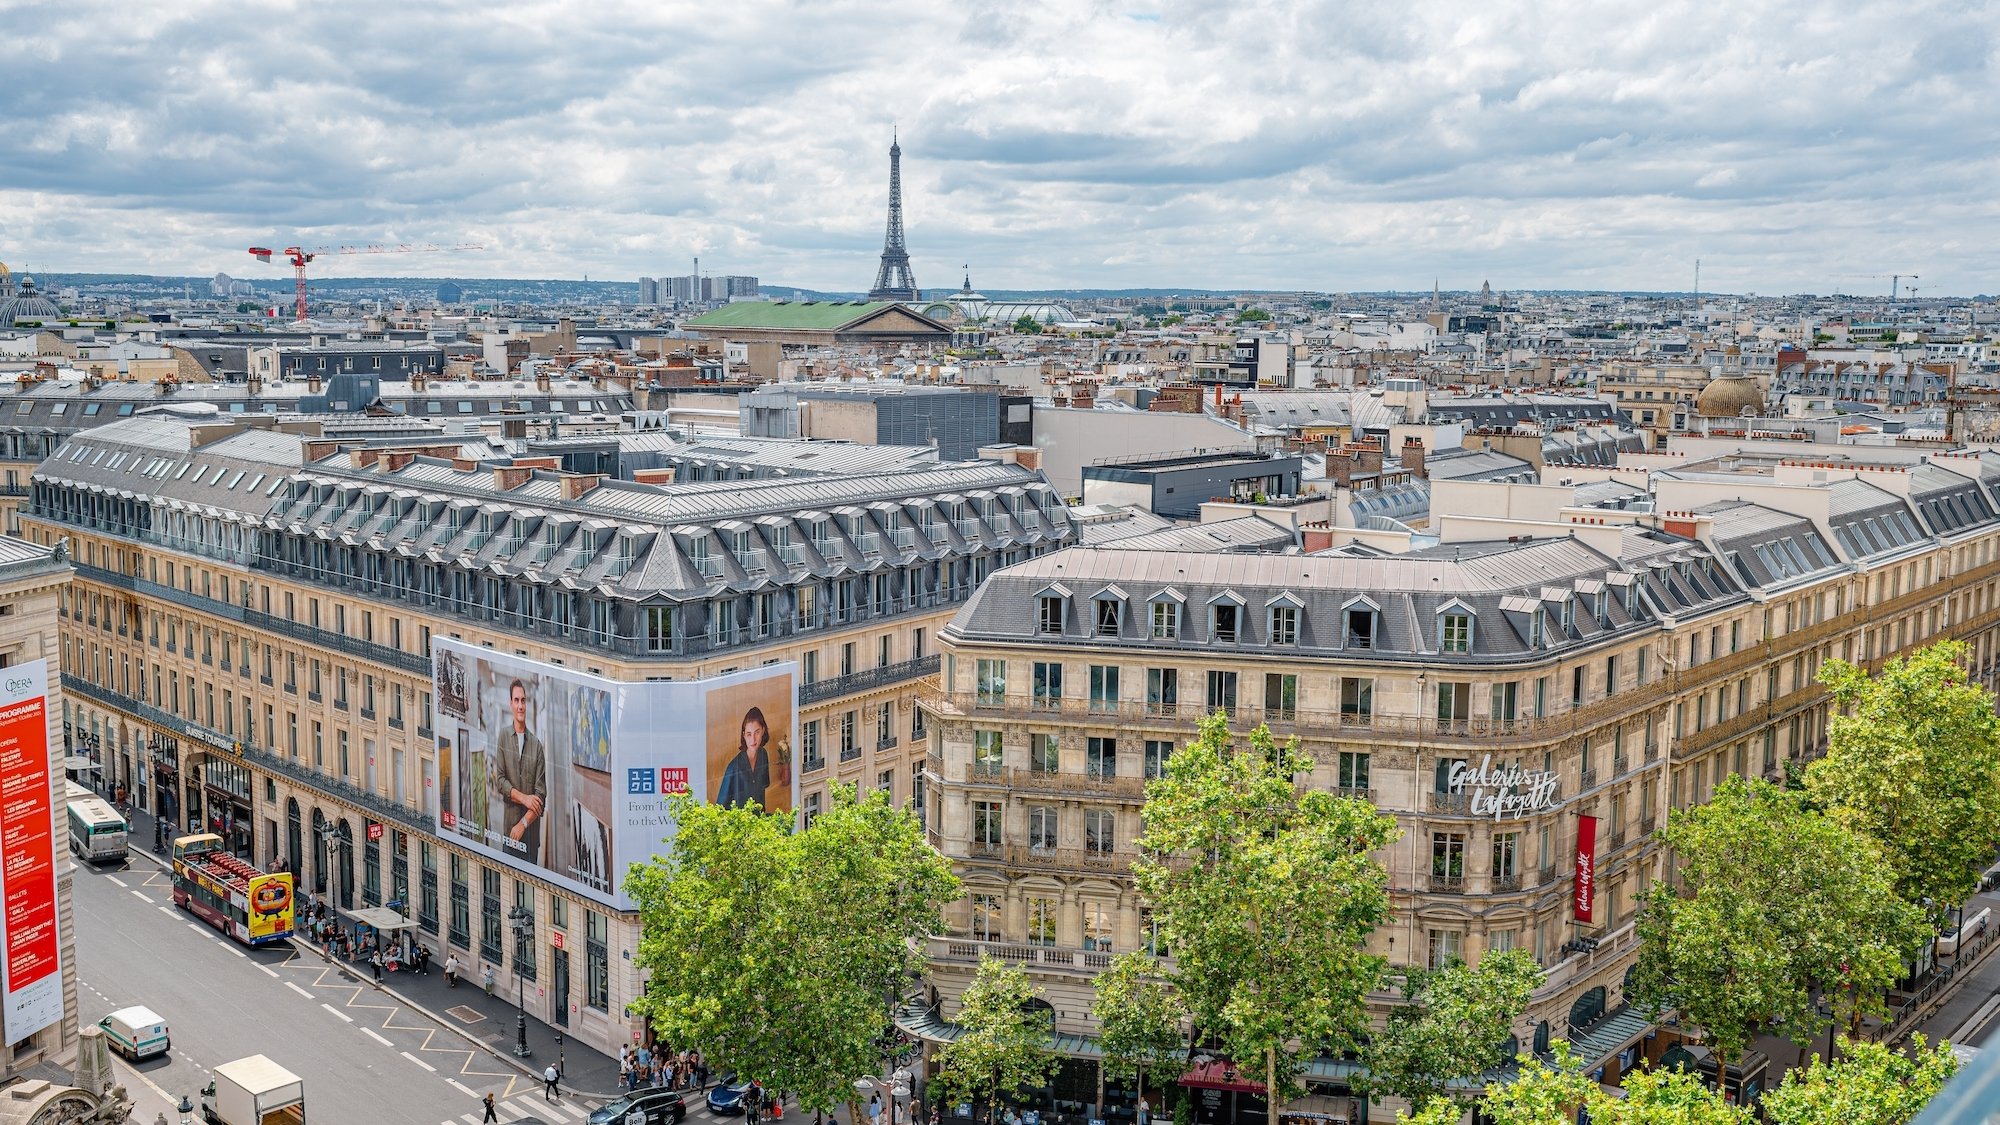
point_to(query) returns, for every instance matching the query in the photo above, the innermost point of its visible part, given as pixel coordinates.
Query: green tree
(1913, 760)
(1252, 316)
(1027, 325)
(1870, 1085)
(1002, 1049)
(1452, 1025)
(1266, 892)
(778, 953)
(1173, 319)
(1138, 1015)
(1757, 862)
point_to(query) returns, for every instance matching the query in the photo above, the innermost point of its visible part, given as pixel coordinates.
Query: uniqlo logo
(673, 779)
(639, 781)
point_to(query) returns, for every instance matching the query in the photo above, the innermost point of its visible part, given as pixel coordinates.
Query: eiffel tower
(893, 281)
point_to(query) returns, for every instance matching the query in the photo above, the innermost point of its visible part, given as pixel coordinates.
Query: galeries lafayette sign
(1503, 792)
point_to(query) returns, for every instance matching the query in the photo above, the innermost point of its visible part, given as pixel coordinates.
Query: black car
(662, 1106)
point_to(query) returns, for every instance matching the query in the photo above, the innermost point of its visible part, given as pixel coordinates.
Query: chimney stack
(575, 485)
(1413, 456)
(1340, 466)
(1368, 455)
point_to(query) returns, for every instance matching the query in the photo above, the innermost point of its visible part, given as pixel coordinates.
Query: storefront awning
(1220, 1074)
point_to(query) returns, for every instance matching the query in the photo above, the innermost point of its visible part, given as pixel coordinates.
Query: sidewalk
(490, 1021)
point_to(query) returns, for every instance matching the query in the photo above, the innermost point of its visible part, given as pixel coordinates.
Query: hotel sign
(1508, 791)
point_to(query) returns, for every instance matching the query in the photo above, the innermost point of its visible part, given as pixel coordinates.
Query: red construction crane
(299, 257)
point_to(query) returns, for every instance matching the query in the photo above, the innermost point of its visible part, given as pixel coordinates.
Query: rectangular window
(489, 915)
(1221, 691)
(1354, 770)
(1281, 695)
(1447, 859)
(986, 917)
(1049, 615)
(461, 904)
(427, 885)
(1104, 687)
(992, 682)
(986, 824)
(1157, 753)
(1047, 686)
(1043, 827)
(1100, 757)
(1454, 703)
(596, 961)
(1357, 701)
(988, 758)
(1041, 921)
(1284, 625)
(1163, 691)
(1223, 624)
(1097, 927)
(1506, 855)
(526, 948)
(1100, 831)
(1166, 621)
(1044, 753)
(811, 757)
(1455, 633)
(1445, 946)
(1360, 628)
(1108, 616)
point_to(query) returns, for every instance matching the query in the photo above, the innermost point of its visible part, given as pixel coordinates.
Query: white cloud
(1331, 146)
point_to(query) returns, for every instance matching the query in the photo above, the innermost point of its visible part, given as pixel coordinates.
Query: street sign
(374, 830)
(556, 938)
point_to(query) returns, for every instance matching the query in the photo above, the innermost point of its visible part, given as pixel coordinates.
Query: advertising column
(31, 971)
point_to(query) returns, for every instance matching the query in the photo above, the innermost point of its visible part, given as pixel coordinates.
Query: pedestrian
(486, 977)
(377, 962)
(491, 1113)
(1145, 1111)
(423, 960)
(625, 1076)
(551, 1090)
(874, 1109)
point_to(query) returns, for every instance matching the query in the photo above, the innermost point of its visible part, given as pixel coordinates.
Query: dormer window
(1049, 615)
(1166, 621)
(1361, 622)
(1223, 622)
(1284, 625)
(1603, 608)
(1108, 616)
(1535, 629)
(705, 564)
(1455, 631)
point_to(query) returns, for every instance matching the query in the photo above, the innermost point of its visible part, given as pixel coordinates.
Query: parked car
(1969, 929)
(662, 1106)
(727, 1097)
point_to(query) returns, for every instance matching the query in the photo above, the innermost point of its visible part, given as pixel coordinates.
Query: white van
(137, 1032)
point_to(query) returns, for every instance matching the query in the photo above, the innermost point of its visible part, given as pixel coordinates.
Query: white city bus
(97, 834)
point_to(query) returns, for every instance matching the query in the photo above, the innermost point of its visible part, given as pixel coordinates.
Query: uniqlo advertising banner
(1586, 868)
(31, 972)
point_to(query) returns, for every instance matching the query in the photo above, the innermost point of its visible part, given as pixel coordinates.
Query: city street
(363, 1056)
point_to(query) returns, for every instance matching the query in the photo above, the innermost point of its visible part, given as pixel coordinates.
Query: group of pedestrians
(644, 1066)
(341, 943)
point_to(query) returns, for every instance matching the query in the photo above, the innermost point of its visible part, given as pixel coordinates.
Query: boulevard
(363, 1056)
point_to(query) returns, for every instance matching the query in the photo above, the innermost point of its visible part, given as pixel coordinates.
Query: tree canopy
(1002, 1047)
(1266, 892)
(1027, 325)
(1756, 862)
(1138, 1016)
(1869, 1085)
(778, 953)
(1453, 1025)
(1913, 761)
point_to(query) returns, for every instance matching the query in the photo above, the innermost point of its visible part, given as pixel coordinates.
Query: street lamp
(523, 921)
(186, 1110)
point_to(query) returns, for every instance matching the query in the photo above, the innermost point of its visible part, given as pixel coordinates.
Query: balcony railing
(1077, 784)
(1455, 803)
(1033, 858)
(1587, 779)
(970, 951)
(1509, 881)
(1447, 884)
(868, 680)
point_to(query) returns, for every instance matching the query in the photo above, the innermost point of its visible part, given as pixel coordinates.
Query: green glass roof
(805, 315)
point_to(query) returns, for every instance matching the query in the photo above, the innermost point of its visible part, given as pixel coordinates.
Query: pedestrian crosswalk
(565, 1111)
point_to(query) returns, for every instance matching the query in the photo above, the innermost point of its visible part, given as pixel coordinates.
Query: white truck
(254, 1091)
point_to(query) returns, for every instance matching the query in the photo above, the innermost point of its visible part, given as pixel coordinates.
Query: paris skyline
(1251, 146)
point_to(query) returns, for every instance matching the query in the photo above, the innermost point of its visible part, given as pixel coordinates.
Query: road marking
(166, 910)
(1979, 1019)
(300, 991)
(225, 944)
(578, 1114)
(462, 1088)
(268, 970)
(419, 1062)
(116, 879)
(143, 896)
(372, 1034)
(336, 1011)
(196, 927)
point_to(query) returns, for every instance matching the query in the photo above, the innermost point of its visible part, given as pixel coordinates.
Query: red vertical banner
(31, 970)
(1586, 869)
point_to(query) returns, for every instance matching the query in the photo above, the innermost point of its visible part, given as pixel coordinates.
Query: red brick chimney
(576, 485)
(1340, 466)
(1368, 455)
(1413, 456)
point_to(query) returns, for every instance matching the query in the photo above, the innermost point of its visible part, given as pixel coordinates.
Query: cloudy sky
(1311, 144)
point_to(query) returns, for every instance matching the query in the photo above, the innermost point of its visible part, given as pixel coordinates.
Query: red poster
(32, 966)
(1586, 868)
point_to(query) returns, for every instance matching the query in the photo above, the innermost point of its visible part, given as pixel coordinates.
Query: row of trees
(1796, 908)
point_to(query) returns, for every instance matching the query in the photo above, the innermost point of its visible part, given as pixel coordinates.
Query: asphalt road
(363, 1057)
